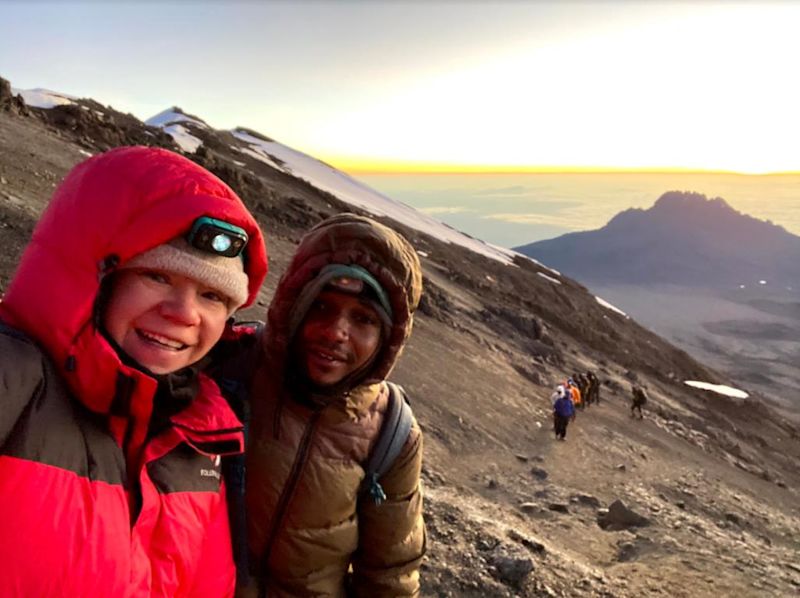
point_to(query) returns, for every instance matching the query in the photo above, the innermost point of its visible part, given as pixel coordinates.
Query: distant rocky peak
(688, 202)
(686, 211)
(680, 217)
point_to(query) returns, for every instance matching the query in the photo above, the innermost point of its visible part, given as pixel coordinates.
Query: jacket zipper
(288, 490)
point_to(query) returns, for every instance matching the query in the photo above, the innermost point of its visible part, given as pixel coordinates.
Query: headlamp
(217, 237)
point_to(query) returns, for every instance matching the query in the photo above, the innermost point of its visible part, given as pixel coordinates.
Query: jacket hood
(352, 240)
(107, 210)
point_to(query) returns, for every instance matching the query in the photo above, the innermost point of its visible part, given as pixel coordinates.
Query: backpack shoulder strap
(391, 440)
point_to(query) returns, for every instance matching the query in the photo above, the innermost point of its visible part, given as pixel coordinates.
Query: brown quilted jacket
(310, 533)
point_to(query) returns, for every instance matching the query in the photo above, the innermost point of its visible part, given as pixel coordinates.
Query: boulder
(10, 102)
(619, 517)
(511, 570)
(539, 473)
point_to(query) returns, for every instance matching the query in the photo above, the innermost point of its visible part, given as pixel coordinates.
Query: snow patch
(85, 153)
(550, 278)
(718, 388)
(169, 120)
(185, 140)
(607, 305)
(44, 98)
(171, 117)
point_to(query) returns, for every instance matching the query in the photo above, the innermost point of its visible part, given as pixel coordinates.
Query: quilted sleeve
(392, 534)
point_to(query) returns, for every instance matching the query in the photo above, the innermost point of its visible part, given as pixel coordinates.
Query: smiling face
(164, 321)
(339, 335)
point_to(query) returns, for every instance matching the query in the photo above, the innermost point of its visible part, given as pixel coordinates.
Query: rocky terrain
(699, 498)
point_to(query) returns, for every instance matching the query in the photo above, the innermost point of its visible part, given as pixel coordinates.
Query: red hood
(119, 203)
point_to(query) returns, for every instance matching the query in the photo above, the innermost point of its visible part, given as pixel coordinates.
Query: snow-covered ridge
(44, 98)
(351, 191)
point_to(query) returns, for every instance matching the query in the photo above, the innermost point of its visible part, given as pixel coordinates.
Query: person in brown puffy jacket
(339, 319)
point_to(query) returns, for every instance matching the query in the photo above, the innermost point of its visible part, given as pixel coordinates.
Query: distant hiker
(111, 435)
(559, 392)
(575, 393)
(594, 387)
(563, 412)
(638, 399)
(587, 384)
(319, 525)
(583, 386)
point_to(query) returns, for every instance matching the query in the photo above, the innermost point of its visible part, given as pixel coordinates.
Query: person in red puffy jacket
(111, 435)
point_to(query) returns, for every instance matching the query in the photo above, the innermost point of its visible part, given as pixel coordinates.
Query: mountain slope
(510, 511)
(684, 239)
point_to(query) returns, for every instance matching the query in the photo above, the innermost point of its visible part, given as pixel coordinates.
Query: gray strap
(391, 440)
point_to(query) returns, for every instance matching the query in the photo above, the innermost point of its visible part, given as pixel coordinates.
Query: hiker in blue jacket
(563, 412)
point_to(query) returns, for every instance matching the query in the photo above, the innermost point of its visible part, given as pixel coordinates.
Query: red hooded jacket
(91, 503)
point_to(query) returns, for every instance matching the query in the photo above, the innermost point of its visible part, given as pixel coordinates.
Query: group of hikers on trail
(580, 391)
(577, 392)
(152, 446)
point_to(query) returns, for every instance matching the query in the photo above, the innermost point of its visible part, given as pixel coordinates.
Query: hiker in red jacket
(111, 436)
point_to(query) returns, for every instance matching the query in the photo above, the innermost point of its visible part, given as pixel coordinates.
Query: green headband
(340, 277)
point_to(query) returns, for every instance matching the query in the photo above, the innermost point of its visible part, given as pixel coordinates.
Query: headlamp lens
(221, 243)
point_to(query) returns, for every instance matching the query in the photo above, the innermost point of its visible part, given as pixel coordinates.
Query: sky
(441, 86)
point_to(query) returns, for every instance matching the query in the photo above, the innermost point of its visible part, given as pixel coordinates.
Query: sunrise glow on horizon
(388, 168)
(521, 87)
